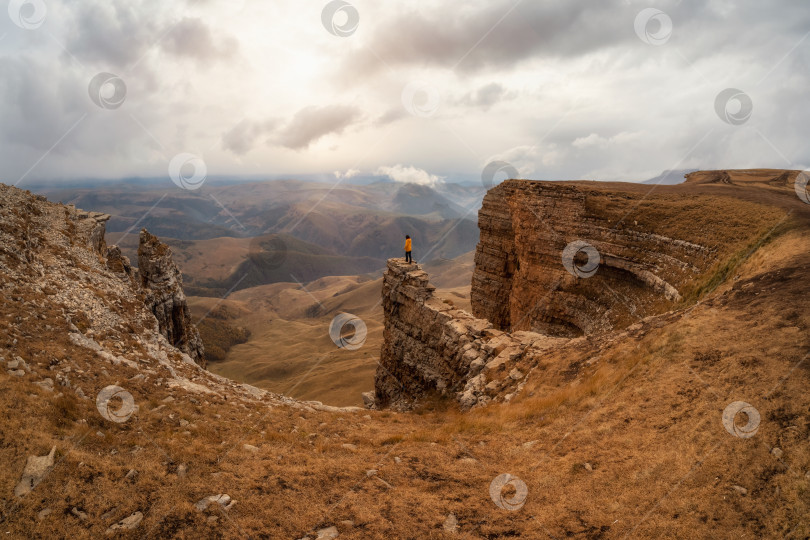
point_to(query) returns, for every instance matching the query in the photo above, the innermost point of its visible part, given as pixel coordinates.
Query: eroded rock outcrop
(430, 347)
(162, 283)
(521, 281)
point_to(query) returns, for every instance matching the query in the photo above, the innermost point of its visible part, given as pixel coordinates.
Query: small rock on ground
(327, 534)
(35, 470)
(451, 524)
(127, 524)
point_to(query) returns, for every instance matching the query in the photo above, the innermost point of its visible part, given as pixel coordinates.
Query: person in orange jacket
(408, 258)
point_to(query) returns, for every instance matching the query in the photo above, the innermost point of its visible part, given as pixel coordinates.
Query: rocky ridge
(58, 274)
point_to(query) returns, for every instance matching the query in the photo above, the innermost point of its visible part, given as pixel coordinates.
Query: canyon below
(565, 359)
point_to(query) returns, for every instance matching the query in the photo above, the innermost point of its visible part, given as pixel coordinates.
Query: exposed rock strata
(162, 283)
(520, 282)
(431, 347)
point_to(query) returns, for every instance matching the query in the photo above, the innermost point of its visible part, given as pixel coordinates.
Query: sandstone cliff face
(521, 281)
(162, 283)
(429, 347)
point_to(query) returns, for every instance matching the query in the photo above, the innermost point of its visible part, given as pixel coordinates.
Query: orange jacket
(408, 244)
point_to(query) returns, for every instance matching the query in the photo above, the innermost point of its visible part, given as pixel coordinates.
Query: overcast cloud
(421, 90)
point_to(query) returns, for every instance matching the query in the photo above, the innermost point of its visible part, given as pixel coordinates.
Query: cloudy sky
(417, 90)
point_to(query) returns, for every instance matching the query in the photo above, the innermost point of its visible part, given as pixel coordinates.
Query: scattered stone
(127, 524)
(777, 452)
(327, 534)
(347, 524)
(588, 467)
(515, 374)
(383, 482)
(371, 472)
(222, 499)
(739, 489)
(16, 372)
(349, 446)
(131, 474)
(182, 470)
(167, 399)
(45, 512)
(79, 514)
(250, 448)
(529, 444)
(36, 468)
(369, 399)
(46, 384)
(451, 524)
(397, 459)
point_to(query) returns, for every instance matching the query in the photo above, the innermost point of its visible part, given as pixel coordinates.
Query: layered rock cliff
(162, 284)
(532, 267)
(430, 347)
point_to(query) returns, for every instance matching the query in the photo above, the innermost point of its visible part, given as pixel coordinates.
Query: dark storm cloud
(311, 123)
(115, 34)
(493, 34)
(120, 34)
(502, 34)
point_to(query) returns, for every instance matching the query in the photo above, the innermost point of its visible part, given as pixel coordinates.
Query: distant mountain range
(217, 231)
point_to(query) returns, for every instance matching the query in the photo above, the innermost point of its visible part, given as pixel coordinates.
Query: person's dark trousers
(408, 258)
